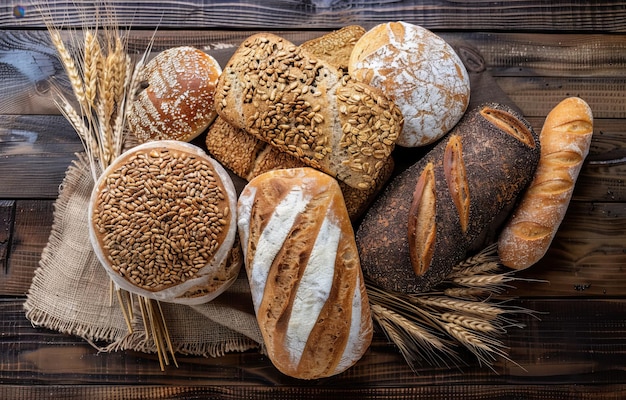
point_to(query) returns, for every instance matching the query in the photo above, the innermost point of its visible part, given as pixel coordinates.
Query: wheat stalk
(460, 312)
(103, 79)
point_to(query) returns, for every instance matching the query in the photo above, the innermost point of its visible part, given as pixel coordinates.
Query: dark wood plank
(568, 340)
(31, 225)
(36, 150)
(291, 14)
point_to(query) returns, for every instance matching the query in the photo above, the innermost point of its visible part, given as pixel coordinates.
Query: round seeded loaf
(162, 221)
(177, 97)
(420, 72)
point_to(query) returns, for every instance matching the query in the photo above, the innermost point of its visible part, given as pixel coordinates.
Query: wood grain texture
(529, 15)
(573, 347)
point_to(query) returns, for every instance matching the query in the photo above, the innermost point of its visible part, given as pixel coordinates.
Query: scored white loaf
(304, 271)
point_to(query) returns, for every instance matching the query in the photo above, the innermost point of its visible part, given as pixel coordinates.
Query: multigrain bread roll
(305, 106)
(303, 267)
(249, 157)
(176, 102)
(445, 206)
(419, 72)
(565, 141)
(162, 221)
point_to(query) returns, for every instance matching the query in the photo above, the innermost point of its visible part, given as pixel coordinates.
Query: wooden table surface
(538, 52)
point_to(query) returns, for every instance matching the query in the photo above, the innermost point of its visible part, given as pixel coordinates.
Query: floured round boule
(162, 221)
(420, 72)
(177, 97)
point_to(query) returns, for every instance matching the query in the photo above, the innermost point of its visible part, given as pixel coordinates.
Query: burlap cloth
(70, 292)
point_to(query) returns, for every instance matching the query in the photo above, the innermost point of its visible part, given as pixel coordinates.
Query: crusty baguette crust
(421, 226)
(565, 141)
(306, 107)
(305, 278)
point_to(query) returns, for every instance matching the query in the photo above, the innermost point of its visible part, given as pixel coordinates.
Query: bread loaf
(176, 102)
(302, 263)
(249, 157)
(565, 141)
(440, 209)
(162, 223)
(419, 72)
(306, 107)
(335, 47)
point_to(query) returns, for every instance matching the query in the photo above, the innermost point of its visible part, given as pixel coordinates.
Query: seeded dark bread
(162, 221)
(254, 157)
(303, 105)
(450, 203)
(303, 267)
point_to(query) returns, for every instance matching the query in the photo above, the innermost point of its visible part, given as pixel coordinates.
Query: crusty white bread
(420, 72)
(305, 106)
(304, 272)
(565, 140)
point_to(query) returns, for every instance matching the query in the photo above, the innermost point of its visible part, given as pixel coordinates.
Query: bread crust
(565, 140)
(419, 72)
(305, 278)
(177, 102)
(305, 106)
(413, 235)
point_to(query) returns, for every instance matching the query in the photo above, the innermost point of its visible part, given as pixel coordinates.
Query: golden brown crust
(313, 278)
(335, 47)
(306, 107)
(565, 140)
(177, 103)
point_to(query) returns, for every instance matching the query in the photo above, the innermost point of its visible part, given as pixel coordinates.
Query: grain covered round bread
(176, 102)
(419, 72)
(565, 140)
(162, 221)
(303, 267)
(305, 106)
(447, 205)
(336, 46)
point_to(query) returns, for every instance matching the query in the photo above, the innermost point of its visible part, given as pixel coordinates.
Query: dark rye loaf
(449, 203)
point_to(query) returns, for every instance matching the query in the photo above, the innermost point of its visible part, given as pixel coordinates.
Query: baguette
(565, 141)
(305, 106)
(444, 207)
(305, 278)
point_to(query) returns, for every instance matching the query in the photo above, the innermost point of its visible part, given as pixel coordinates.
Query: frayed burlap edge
(52, 302)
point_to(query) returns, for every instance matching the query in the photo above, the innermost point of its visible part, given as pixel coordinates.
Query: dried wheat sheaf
(102, 80)
(464, 311)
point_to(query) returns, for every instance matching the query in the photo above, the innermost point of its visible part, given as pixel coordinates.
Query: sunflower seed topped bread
(565, 141)
(177, 100)
(418, 71)
(254, 157)
(446, 205)
(305, 106)
(162, 221)
(303, 267)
